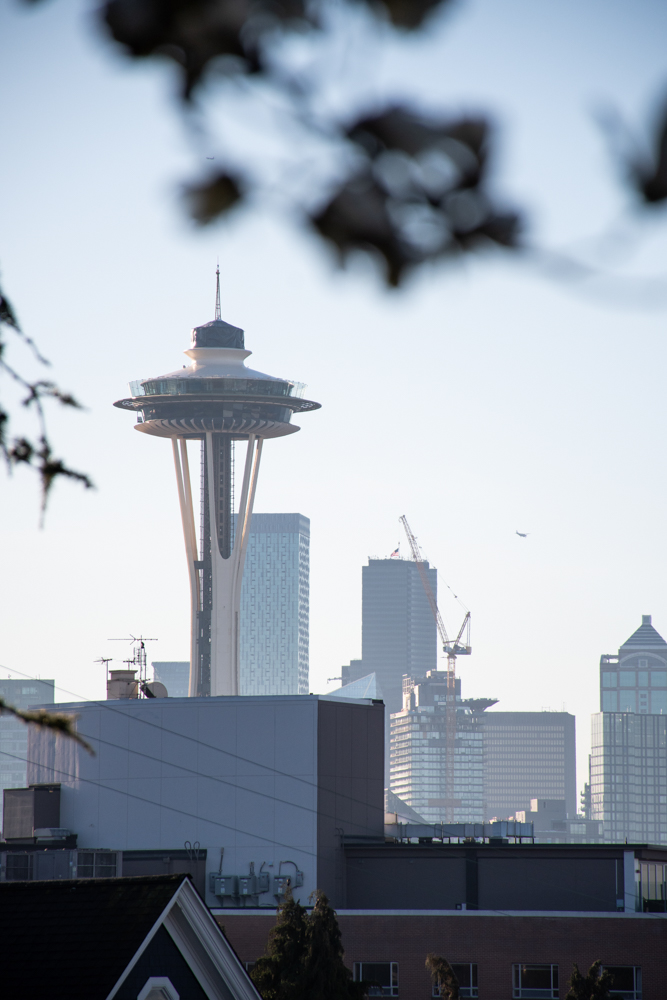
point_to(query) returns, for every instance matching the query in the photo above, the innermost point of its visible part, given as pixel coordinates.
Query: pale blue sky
(482, 399)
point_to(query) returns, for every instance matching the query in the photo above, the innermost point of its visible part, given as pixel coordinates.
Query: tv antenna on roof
(106, 660)
(139, 655)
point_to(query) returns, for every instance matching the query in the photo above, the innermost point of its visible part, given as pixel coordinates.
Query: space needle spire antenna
(217, 401)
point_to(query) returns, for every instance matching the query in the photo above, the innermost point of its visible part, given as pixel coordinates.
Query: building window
(466, 975)
(659, 702)
(19, 867)
(610, 701)
(380, 977)
(627, 678)
(627, 701)
(609, 679)
(626, 981)
(96, 864)
(659, 678)
(535, 982)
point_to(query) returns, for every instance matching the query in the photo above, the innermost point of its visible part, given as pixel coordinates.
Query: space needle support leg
(189, 537)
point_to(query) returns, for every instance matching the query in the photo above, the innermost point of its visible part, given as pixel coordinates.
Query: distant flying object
(522, 534)
(210, 157)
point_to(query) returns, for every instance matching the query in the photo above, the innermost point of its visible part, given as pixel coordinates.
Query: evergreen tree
(278, 975)
(592, 986)
(443, 976)
(325, 975)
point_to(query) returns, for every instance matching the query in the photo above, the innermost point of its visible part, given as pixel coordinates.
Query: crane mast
(452, 649)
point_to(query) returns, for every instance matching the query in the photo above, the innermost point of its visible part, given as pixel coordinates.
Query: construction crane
(452, 649)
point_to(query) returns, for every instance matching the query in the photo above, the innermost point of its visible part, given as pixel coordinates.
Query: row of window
(529, 982)
(632, 678)
(635, 701)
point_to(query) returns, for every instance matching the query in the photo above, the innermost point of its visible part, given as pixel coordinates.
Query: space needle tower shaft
(217, 401)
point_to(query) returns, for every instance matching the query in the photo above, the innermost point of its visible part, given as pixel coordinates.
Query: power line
(209, 746)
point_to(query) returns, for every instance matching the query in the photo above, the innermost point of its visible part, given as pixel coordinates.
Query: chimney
(646, 619)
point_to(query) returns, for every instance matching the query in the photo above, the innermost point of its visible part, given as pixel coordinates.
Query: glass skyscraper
(628, 762)
(274, 617)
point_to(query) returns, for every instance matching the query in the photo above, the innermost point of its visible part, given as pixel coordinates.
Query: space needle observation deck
(216, 400)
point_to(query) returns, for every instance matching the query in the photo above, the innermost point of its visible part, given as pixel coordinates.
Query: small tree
(278, 975)
(443, 976)
(592, 986)
(326, 977)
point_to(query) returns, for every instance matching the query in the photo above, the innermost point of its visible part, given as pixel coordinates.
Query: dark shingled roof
(71, 940)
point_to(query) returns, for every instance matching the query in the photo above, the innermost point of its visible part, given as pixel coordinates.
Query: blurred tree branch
(58, 722)
(38, 454)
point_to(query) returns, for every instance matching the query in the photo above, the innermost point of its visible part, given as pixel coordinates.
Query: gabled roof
(79, 939)
(646, 637)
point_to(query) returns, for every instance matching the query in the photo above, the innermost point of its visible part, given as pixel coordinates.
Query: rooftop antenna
(139, 656)
(217, 291)
(106, 660)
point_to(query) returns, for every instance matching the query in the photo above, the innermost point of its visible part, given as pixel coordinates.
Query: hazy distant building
(14, 733)
(629, 776)
(635, 680)
(552, 825)
(398, 632)
(528, 755)
(174, 674)
(274, 619)
(628, 763)
(419, 752)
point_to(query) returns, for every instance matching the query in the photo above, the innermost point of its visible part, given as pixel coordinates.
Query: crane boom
(417, 556)
(451, 649)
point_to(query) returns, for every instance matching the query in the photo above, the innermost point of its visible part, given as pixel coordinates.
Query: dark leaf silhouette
(409, 13)
(419, 196)
(194, 32)
(212, 197)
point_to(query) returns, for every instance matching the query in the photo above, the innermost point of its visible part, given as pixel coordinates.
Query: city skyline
(532, 368)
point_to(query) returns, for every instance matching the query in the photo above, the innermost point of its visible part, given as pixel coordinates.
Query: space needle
(216, 400)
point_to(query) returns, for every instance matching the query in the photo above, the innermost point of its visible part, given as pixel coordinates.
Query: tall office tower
(14, 733)
(628, 764)
(628, 776)
(274, 621)
(398, 633)
(217, 401)
(420, 748)
(636, 679)
(528, 755)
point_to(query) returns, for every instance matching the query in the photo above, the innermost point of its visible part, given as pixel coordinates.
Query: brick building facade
(493, 941)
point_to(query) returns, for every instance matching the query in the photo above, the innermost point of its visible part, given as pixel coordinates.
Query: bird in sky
(522, 534)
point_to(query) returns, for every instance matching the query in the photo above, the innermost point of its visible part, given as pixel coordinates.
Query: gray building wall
(263, 779)
(565, 877)
(528, 755)
(275, 594)
(14, 733)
